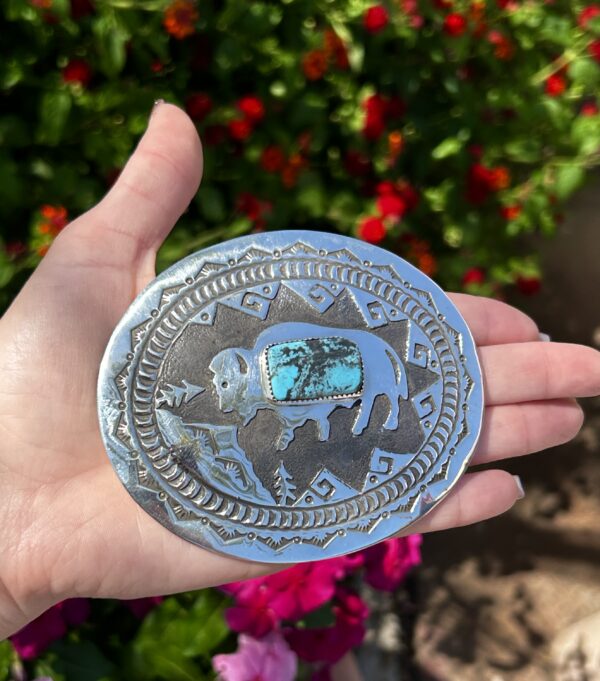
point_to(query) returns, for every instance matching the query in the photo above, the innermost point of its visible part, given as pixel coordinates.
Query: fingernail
(157, 103)
(545, 337)
(519, 484)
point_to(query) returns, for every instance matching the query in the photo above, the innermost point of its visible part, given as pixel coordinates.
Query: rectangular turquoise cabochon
(315, 368)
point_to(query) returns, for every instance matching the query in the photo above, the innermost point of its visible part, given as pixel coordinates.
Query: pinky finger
(478, 496)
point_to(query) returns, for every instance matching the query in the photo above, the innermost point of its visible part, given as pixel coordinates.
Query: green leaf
(111, 39)
(54, 112)
(584, 71)
(80, 661)
(449, 147)
(7, 653)
(174, 634)
(568, 179)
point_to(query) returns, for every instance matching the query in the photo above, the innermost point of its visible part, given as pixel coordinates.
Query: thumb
(154, 188)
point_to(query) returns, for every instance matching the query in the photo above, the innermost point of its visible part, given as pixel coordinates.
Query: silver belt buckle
(290, 396)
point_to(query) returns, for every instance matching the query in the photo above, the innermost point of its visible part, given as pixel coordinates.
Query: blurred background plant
(443, 130)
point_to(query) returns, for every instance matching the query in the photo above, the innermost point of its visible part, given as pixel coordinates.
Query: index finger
(493, 322)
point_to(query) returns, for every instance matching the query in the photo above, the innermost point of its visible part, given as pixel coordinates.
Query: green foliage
(177, 639)
(78, 79)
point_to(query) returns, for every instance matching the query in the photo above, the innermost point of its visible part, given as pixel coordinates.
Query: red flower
(504, 48)
(499, 178)
(314, 64)
(455, 24)
(53, 624)
(388, 563)
(587, 14)
(252, 108)
(240, 129)
(198, 106)
(330, 644)
(180, 19)
(376, 18)
(511, 212)
(55, 219)
(594, 50)
(249, 205)
(529, 286)
(156, 66)
(555, 85)
(335, 49)
(482, 181)
(589, 109)
(272, 159)
(376, 111)
(77, 71)
(474, 275)
(391, 205)
(372, 229)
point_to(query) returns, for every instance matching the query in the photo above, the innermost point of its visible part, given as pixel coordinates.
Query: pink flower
(261, 603)
(267, 659)
(388, 563)
(140, 607)
(330, 644)
(50, 626)
(376, 18)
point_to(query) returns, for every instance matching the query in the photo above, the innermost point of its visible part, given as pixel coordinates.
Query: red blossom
(483, 181)
(335, 49)
(455, 24)
(372, 229)
(388, 563)
(589, 109)
(240, 129)
(51, 625)
(249, 205)
(314, 64)
(156, 66)
(391, 205)
(529, 286)
(180, 19)
(504, 49)
(198, 105)
(254, 615)
(474, 275)
(376, 18)
(272, 159)
(77, 71)
(587, 14)
(555, 85)
(511, 212)
(594, 50)
(330, 644)
(252, 108)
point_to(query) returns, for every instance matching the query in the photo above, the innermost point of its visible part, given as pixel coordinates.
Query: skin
(67, 526)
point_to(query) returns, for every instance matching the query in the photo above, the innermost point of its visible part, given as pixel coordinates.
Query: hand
(67, 525)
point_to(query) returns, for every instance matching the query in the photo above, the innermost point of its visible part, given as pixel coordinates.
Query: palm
(64, 501)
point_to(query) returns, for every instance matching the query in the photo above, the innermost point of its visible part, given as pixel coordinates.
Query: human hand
(67, 525)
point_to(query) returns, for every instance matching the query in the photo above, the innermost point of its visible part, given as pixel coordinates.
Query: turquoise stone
(315, 368)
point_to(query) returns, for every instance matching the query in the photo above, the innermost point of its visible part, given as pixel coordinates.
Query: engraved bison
(304, 371)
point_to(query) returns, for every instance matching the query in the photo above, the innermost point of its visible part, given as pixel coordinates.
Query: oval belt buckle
(290, 396)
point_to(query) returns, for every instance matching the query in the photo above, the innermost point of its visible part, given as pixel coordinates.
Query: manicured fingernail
(519, 484)
(545, 337)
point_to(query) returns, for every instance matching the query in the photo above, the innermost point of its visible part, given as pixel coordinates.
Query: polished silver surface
(290, 396)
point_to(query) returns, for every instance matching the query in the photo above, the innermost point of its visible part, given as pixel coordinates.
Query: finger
(476, 497)
(493, 322)
(518, 429)
(523, 372)
(153, 190)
